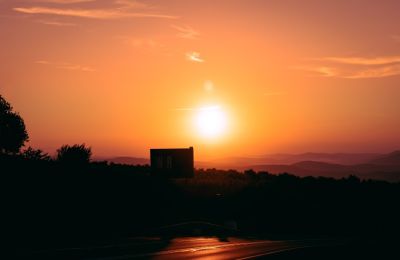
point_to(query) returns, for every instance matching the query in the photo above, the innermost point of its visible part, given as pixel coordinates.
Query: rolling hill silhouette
(286, 159)
(340, 165)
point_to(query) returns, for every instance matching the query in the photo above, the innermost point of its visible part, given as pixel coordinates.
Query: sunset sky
(229, 77)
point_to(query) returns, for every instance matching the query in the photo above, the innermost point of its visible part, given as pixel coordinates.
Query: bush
(74, 155)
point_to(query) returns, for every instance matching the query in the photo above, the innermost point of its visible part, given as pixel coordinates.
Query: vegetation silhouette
(13, 134)
(35, 154)
(75, 155)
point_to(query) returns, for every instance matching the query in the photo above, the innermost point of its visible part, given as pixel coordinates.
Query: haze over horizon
(230, 78)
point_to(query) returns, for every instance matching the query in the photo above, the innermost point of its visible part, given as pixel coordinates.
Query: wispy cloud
(140, 42)
(44, 62)
(207, 108)
(362, 60)
(355, 67)
(66, 65)
(194, 56)
(379, 72)
(186, 32)
(319, 70)
(90, 13)
(121, 9)
(65, 1)
(126, 4)
(55, 23)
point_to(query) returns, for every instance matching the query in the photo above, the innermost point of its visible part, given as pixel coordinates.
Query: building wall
(172, 163)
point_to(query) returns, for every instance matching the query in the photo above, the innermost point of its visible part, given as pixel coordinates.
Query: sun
(211, 121)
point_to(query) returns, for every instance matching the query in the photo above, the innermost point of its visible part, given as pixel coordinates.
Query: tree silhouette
(74, 155)
(35, 154)
(13, 134)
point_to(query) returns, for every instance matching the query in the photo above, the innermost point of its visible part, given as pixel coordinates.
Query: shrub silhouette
(13, 134)
(74, 155)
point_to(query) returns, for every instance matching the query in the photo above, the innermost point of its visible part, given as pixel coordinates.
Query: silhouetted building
(172, 163)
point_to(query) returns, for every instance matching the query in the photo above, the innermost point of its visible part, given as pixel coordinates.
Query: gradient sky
(124, 76)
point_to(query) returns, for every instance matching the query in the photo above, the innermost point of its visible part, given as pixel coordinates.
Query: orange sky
(124, 76)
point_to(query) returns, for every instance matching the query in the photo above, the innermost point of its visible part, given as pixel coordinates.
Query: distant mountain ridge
(335, 158)
(337, 165)
(392, 158)
(129, 160)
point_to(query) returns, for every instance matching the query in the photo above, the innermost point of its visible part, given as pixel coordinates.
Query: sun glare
(211, 121)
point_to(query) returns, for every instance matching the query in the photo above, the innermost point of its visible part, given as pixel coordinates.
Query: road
(184, 248)
(212, 248)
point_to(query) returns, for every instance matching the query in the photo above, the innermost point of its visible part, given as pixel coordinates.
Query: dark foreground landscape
(229, 248)
(110, 211)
